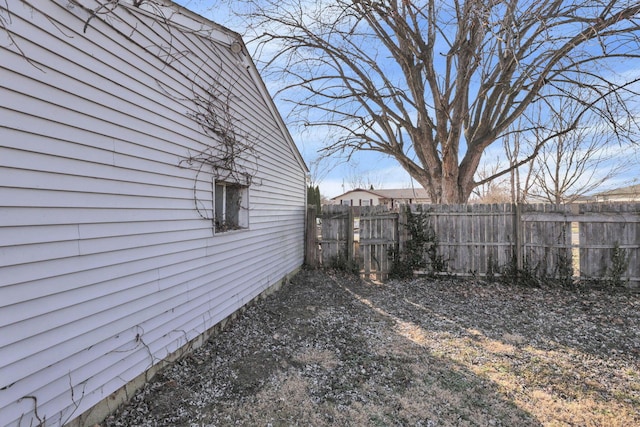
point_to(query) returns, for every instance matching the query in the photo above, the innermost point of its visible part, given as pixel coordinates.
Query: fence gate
(378, 236)
(337, 234)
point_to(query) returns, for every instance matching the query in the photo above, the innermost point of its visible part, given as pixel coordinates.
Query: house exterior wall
(106, 266)
(359, 197)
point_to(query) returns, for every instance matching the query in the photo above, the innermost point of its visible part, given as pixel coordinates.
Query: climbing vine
(618, 267)
(229, 154)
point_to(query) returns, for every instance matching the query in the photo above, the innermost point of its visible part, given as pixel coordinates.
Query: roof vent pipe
(236, 47)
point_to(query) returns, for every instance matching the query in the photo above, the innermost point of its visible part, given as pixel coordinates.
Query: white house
(390, 197)
(148, 190)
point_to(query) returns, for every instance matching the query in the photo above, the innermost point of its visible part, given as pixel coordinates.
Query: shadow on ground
(331, 349)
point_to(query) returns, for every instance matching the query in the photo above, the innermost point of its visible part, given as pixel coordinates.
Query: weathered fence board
(481, 240)
(600, 237)
(546, 245)
(472, 239)
(337, 233)
(378, 237)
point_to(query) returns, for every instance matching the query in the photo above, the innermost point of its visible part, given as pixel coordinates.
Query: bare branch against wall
(230, 154)
(5, 24)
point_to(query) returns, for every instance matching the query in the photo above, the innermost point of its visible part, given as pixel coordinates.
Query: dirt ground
(332, 349)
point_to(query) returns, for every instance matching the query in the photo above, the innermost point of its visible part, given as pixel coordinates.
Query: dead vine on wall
(229, 154)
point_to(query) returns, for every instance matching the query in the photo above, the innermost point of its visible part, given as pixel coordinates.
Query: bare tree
(494, 191)
(364, 179)
(521, 174)
(319, 168)
(579, 161)
(434, 84)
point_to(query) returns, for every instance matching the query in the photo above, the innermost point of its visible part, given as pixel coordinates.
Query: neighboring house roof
(354, 191)
(404, 193)
(632, 190)
(398, 193)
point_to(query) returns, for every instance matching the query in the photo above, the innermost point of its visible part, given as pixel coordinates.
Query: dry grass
(331, 349)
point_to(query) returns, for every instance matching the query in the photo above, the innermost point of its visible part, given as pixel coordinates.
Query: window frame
(239, 216)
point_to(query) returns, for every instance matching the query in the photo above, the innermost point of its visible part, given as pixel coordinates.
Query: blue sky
(335, 175)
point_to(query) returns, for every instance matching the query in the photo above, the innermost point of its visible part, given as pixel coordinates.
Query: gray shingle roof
(623, 191)
(396, 193)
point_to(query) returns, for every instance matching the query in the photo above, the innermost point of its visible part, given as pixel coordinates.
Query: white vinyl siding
(106, 267)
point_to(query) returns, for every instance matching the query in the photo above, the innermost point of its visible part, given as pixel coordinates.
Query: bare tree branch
(434, 84)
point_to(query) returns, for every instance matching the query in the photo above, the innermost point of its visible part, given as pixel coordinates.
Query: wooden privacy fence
(587, 241)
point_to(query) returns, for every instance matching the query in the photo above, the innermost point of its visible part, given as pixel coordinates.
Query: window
(230, 206)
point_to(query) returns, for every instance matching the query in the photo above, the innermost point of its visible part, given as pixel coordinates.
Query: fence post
(311, 240)
(519, 244)
(401, 230)
(350, 243)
